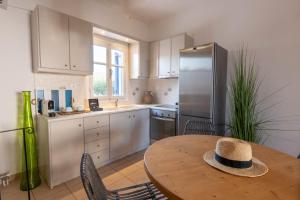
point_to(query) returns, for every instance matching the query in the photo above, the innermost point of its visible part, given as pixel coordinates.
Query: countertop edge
(104, 112)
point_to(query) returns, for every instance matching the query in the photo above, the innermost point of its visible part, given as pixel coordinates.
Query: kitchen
(151, 42)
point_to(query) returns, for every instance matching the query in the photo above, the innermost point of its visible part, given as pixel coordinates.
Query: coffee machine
(48, 108)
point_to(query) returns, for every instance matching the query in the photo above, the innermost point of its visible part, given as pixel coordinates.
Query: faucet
(116, 102)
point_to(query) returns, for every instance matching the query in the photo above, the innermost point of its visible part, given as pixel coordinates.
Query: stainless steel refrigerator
(202, 86)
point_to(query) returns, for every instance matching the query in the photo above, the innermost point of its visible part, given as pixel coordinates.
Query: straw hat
(235, 157)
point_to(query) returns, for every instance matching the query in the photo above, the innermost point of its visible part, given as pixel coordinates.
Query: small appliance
(48, 108)
(94, 105)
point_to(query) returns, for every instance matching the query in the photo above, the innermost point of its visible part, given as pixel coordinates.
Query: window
(110, 67)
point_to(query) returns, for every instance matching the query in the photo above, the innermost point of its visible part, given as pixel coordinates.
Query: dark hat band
(233, 163)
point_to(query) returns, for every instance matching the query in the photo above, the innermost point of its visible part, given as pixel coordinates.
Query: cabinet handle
(129, 116)
(98, 145)
(133, 116)
(98, 157)
(74, 66)
(97, 122)
(98, 134)
(79, 125)
(66, 65)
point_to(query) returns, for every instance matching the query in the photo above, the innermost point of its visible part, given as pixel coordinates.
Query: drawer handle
(79, 125)
(129, 116)
(98, 145)
(97, 122)
(98, 157)
(98, 134)
(133, 116)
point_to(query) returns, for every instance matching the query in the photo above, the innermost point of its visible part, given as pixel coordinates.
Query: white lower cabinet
(120, 129)
(106, 137)
(140, 133)
(66, 149)
(129, 133)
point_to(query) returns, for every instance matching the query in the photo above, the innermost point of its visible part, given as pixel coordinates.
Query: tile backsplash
(79, 86)
(165, 91)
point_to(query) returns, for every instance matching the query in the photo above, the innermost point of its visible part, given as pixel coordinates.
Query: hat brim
(258, 168)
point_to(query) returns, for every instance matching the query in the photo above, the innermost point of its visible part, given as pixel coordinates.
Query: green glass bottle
(32, 155)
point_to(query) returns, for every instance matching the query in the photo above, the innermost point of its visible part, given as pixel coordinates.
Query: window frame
(111, 44)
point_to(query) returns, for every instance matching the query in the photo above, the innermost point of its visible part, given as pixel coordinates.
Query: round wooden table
(175, 165)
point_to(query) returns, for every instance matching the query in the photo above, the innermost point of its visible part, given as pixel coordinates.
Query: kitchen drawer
(96, 122)
(97, 145)
(100, 157)
(96, 134)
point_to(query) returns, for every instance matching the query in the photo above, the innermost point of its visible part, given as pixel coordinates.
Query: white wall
(271, 29)
(16, 67)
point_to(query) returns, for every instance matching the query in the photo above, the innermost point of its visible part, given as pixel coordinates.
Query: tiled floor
(125, 172)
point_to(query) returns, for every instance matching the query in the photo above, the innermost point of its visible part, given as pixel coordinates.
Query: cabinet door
(81, 44)
(53, 39)
(120, 134)
(67, 147)
(144, 59)
(178, 43)
(134, 60)
(140, 130)
(165, 57)
(154, 59)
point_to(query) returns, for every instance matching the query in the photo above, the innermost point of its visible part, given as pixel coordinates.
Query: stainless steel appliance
(202, 86)
(163, 122)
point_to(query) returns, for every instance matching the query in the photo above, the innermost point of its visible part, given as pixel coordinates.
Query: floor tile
(76, 187)
(119, 174)
(12, 192)
(138, 176)
(60, 192)
(129, 169)
(122, 183)
(112, 178)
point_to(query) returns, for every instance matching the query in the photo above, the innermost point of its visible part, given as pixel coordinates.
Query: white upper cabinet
(139, 60)
(154, 59)
(81, 43)
(178, 43)
(60, 43)
(165, 58)
(53, 33)
(168, 54)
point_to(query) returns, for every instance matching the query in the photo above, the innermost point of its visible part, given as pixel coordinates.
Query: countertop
(125, 108)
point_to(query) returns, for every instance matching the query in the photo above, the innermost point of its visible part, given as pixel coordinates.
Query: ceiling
(154, 10)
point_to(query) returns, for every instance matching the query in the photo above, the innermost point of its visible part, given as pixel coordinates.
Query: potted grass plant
(245, 122)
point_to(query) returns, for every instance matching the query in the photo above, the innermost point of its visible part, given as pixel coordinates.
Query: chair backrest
(203, 127)
(91, 181)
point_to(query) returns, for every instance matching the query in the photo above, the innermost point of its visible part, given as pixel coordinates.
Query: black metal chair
(96, 190)
(203, 127)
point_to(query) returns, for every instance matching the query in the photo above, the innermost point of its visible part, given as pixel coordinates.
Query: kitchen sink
(121, 107)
